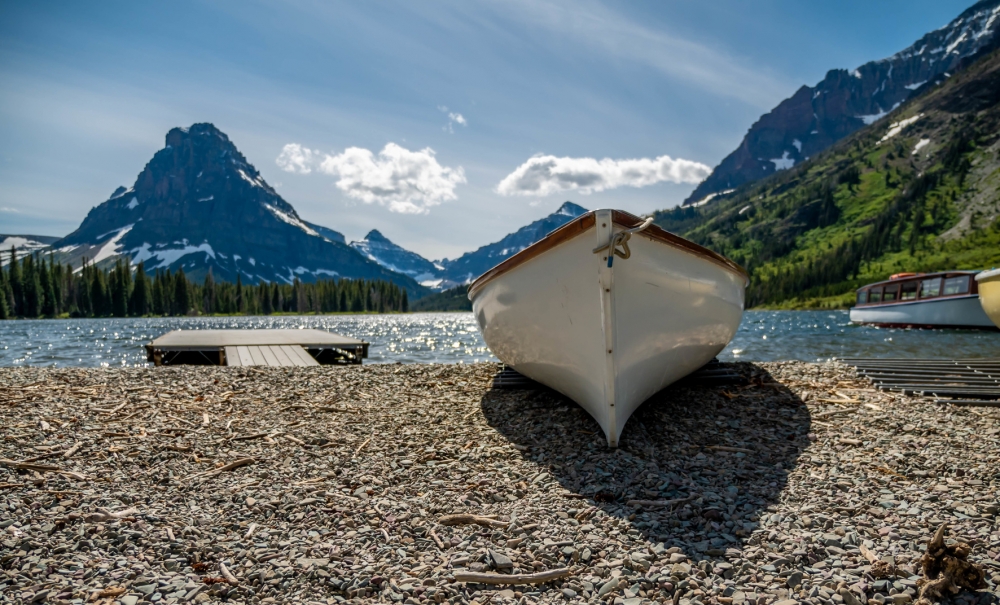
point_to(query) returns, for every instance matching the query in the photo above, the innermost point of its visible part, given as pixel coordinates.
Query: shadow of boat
(699, 465)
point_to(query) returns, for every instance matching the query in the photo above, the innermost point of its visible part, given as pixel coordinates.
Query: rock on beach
(325, 485)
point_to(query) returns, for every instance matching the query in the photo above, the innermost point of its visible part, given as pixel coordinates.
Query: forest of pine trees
(37, 286)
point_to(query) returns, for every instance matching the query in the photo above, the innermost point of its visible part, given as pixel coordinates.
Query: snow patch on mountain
(897, 127)
(168, 256)
(783, 163)
(291, 220)
(111, 247)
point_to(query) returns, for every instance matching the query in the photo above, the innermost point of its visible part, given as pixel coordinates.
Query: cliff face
(845, 101)
(200, 205)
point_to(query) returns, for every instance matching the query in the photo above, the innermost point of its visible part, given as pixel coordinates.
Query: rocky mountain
(24, 244)
(200, 205)
(446, 274)
(918, 191)
(471, 265)
(845, 101)
(379, 248)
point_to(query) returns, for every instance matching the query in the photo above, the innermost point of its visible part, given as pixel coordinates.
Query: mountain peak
(177, 135)
(376, 236)
(571, 209)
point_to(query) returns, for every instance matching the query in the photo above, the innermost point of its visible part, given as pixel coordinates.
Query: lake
(454, 338)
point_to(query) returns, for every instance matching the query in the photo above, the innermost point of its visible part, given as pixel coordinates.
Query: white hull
(609, 338)
(957, 312)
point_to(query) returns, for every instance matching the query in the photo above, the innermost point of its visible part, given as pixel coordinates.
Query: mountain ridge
(917, 192)
(816, 117)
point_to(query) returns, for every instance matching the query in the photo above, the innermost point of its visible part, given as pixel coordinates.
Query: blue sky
(461, 94)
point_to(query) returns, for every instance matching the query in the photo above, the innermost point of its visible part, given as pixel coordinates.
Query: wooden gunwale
(585, 222)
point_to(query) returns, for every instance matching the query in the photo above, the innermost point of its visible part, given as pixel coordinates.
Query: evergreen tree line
(38, 286)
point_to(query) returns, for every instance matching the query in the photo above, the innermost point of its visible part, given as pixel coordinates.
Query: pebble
(772, 488)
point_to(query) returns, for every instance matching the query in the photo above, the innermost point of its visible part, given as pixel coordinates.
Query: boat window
(875, 295)
(862, 296)
(908, 290)
(891, 293)
(956, 285)
(930, 287)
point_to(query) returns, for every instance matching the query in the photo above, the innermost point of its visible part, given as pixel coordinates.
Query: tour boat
(988, 283)
(608, 310)
(949, 299)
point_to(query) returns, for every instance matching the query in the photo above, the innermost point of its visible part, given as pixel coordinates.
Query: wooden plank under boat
(947, 299)
(989, 294)
(609, 330)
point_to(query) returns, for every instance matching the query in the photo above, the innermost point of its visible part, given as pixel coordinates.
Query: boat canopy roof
(899, 277)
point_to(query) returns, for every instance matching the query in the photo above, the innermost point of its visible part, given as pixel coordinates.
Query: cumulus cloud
(547, 174)
(406, 181)
(296, 158)
(457, 118)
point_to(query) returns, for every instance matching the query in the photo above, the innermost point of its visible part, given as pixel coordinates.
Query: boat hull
(952, 312)
(609, 338)
(989, 294)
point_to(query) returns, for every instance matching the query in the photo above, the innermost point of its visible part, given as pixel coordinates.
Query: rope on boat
(621, 239)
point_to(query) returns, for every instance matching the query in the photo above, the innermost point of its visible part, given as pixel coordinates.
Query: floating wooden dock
(286, 347)
(974, 382)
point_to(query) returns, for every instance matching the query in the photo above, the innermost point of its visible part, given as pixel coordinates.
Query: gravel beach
(329, 484)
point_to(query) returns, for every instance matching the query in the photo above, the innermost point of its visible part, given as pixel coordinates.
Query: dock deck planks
(282, 348)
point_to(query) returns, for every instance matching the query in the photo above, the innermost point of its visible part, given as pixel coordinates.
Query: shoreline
(326, 485)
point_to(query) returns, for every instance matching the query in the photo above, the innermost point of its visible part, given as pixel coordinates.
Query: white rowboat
(609, 335)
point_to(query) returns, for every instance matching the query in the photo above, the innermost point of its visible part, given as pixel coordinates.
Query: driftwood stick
(466, 519)
(227, 574)
(361, 447)
(437, 540)
(112, 591)
(222, 469)
(727, 448)
(521, 578)
(104, 514)
(249, 437)
(74, 449)
(660, 503)
(27, 466)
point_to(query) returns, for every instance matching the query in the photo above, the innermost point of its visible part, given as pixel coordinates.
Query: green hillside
(918, 190)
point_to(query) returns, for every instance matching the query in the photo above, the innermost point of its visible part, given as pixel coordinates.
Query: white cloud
(453, 118)
(406, 181)
(8, 209)
(546, 174)
(296, 158)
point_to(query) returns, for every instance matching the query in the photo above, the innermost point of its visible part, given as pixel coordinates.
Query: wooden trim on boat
(659, 234)
(585, 222)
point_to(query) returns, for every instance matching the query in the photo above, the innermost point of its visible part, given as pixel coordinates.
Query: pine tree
(182, 293)
(141, 294)
(48, 293)
(32, 288)
(16, 283)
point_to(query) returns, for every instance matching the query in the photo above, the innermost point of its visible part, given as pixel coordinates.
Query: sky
(443, 124)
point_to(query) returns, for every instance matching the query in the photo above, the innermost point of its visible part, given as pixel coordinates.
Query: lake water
(454, 338)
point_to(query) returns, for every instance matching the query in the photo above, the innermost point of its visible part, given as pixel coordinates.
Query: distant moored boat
(609, 309)
(949, 299)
